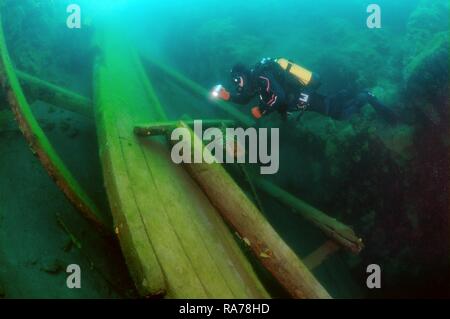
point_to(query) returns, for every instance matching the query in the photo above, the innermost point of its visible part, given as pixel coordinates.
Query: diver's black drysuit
(279, 91)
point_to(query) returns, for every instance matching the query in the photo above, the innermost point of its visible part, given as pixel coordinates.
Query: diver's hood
(241, 71)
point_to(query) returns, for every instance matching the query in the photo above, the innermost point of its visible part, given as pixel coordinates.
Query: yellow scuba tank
(304, 76)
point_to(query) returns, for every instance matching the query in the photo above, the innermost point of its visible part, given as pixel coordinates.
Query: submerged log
(38, 89)
(235, 207)
(40, 144)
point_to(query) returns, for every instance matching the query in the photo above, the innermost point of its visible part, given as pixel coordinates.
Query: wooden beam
(40, 144)
(163, 128)
(37, 89)
(334, 229)
(318, 256)
(274, 254)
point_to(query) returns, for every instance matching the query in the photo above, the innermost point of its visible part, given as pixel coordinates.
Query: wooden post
(275, 255)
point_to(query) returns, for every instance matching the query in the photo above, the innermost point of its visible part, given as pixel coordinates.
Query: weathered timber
(39, 142)
(174, 241)
(336, 230)
(37, 89)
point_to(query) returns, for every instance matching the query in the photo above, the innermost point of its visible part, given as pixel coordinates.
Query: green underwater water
(389, 183)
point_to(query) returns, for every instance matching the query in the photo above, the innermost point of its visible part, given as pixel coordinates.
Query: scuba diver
(285, 87)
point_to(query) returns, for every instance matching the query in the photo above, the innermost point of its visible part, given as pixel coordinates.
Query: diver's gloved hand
(219, 92)
(256, 112)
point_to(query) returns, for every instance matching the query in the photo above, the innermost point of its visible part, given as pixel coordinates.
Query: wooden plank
(173, 238)
(40, 144)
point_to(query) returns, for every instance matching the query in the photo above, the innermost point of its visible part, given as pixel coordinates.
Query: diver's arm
(219, 92)
(271, 98)
(240, 98)
(272, 95)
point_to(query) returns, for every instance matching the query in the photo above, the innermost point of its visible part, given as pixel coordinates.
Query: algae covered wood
(339, 232)
(274, 254)
(174, 241)
(54, 94)
(39, 142)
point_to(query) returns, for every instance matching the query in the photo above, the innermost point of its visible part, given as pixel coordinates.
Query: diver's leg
(344, 104)
(354, 106)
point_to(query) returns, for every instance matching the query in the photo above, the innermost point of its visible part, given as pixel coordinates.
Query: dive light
(216, 90)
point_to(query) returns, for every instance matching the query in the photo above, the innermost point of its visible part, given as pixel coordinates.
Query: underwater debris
(368, 175)
(37, 89)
